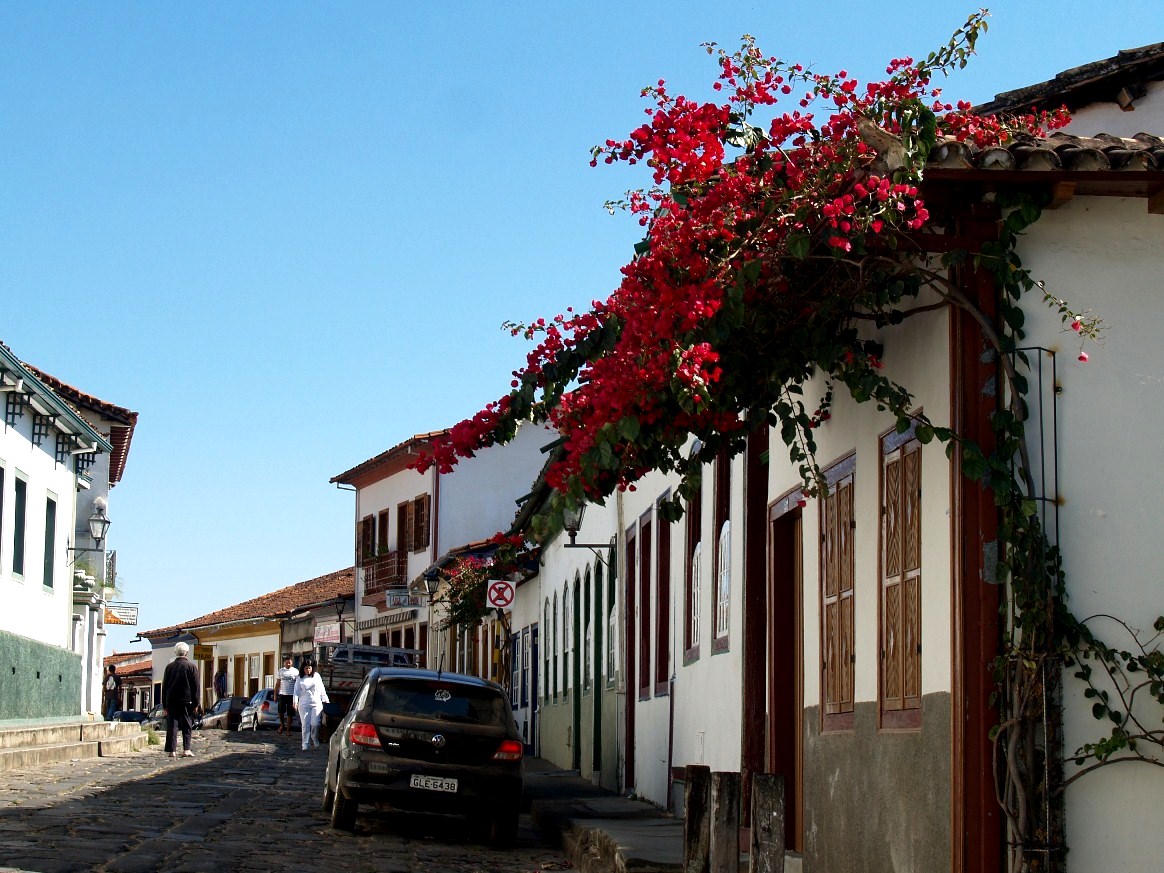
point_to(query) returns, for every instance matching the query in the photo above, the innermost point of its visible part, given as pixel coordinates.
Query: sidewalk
(601, 831)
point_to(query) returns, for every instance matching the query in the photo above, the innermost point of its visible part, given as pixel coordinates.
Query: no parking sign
(500, 594)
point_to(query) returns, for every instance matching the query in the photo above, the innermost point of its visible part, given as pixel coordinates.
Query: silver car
(263, 712)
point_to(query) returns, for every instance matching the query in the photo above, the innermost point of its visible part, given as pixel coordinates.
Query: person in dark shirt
(179, 696)
(112, 692)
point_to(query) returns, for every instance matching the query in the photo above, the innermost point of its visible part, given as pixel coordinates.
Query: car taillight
(363, 734)
(509, 750)
(266, 706)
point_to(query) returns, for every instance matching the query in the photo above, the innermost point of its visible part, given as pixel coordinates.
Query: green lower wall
(878, 801)
(37, 680)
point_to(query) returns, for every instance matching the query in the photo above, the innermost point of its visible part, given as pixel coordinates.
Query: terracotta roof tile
(273, 605)
(1119, 79)
(120, 434)
(384, 457)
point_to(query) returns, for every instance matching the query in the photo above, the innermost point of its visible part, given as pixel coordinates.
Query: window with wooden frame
(723, 582)
(645, 536)
(554, 672)
(420, 522)
(663, 606)
(901, 581)
(691, 579)
(365, 540)
(587, 640)
(721, 563)
(836, 596)
(382, 532)
(567, 640)
(632, 546)
(404, 526)
(20, 520)
(546, 681)
(50, 542)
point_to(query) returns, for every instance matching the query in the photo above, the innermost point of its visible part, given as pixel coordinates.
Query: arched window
(695, 596)
(723, 591)
(554, 669)
(567, 638)
(587, 639)
(546, 652)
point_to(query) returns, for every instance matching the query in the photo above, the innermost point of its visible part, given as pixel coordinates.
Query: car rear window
(443, 701)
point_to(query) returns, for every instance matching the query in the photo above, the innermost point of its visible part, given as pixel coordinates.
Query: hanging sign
(121, 613)
(327, 633)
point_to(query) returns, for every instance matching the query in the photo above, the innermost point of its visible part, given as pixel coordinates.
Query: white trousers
(309, 723)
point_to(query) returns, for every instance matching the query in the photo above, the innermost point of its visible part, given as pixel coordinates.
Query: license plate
(432, 783)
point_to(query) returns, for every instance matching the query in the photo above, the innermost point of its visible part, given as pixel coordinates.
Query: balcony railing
(389, 570)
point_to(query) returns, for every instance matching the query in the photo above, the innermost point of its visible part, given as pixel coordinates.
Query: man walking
(179, 696)
(112, 692)
(285, 688)
(220, 682)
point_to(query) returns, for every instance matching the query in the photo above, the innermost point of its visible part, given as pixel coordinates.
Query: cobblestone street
(246, 801)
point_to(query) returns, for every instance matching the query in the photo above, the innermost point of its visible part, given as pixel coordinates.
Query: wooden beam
(1156, 203)
(1061, 192)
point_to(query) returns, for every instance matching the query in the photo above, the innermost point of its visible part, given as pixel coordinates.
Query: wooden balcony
(389, 570)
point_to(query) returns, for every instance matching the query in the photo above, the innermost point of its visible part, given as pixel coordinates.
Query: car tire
(503, 828)
(343, 812)
(328, 794)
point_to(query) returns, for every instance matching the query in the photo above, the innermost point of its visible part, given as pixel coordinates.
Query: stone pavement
(599, 830)
(246, 801)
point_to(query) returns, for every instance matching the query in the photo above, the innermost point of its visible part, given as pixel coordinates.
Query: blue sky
(287, 234)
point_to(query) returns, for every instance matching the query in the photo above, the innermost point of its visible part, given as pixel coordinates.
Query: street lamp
(432, 582)
(98, 527)
(572, 522)
(339, 602)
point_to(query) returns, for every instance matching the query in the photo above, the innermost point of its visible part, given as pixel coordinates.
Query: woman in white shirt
(310, 696)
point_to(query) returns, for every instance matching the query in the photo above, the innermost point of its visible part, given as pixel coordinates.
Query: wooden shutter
(403, 528)
(837, 597)
(420, 523)
(901, 579)
(382, 532)
(366, 538)
(645, 608)
(663, 609)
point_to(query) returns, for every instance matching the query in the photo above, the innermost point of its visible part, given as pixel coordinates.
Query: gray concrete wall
(554, 724)
(878, 802)
(37, 681)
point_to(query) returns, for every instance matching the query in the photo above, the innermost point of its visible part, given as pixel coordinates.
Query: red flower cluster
(729, 299)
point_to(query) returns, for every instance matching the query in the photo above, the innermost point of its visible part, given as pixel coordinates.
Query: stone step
(124, 745)
(26, 757)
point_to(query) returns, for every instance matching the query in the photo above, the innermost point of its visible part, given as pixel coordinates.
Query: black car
(225, 714)
(129, 715)
(428, 742)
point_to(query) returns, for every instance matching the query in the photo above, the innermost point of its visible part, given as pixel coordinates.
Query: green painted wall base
(38, 681)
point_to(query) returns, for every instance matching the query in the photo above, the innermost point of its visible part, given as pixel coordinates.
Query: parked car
(225, 714)
(263, 712)
(429, 742)
(155, 718)
(129, 715)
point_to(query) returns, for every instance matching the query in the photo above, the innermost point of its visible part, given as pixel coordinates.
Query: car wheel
(343, 812)
(503, 828)
(328, 794)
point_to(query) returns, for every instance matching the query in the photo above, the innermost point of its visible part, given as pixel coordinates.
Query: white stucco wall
(1104, 255)
(479, 497)
(917, 357)
(31, 608)
(1147, 116)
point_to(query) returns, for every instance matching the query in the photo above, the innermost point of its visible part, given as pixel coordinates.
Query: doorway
(785, 652)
